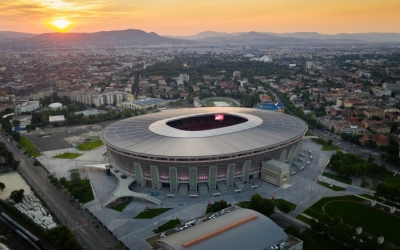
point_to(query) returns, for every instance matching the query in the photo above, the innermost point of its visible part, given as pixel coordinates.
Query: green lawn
(315, 241)
(67, 155)
(338, 178)
(151, 213)
(303, 219)
(84, 192)
(244, 204)
(167, 226)
(371, 220)
(120, 207)
(29, 146)
(309, 133)
(333, 187)
(325, 145)
(317, 206)
(211, 103)
(90, 145)
(371, 197)
(280, 202)
(312, 213)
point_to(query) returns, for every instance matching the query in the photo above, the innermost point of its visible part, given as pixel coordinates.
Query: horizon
(177, 18)
(189, 35)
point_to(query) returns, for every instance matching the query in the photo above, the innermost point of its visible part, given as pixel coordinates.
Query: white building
(26, 107)
(184, 77)
(309, 65)
(394, 87)
(378, 91)
(237, 74)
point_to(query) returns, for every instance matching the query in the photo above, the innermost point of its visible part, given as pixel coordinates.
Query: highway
(76, 221)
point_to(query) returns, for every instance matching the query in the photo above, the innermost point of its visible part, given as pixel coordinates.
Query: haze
(188, 17)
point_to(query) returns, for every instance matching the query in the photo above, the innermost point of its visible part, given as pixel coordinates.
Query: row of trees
(8, 156)
(289, 107)
(353, 164)
(389, 193)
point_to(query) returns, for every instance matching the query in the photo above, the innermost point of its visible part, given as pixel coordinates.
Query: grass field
(280, 202)
(371, 197)
(29, 146)
(86, 195)
(315, 241)
(120, 207)
(211, 103)
(90, 145)
(333, 187)
(312, 213)
(325, 145)
(371, 220)
(244, 204)
(151, 213)
(169, 225)
(317, 206)
(338, 178)
(303, 219)
(67, 155)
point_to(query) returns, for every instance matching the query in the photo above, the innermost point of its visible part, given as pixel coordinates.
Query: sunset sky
(189, 17)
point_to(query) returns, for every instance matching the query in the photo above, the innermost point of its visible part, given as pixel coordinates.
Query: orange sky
(188, 17)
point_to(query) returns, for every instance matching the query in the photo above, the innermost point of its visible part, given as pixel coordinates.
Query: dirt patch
(13, 181)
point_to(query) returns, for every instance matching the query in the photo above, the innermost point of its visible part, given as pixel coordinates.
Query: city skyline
(183, 18)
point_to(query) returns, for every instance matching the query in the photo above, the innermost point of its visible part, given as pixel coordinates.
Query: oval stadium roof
(148, 135)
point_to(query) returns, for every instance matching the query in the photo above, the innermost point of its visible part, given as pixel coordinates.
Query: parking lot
(62, 137)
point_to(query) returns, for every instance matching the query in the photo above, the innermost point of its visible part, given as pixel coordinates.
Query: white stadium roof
(148, 135)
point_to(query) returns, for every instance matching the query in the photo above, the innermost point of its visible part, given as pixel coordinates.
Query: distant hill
(309, 36)
(12, 34)
(107, 38)
(374, 37)
(206, 34)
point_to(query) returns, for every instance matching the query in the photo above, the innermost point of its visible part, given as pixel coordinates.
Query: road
(364, 152)
(76, 221)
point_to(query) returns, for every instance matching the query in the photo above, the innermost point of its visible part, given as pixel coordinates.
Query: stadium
(204, 146)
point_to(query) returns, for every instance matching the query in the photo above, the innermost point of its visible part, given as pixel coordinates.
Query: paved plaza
(303, 191)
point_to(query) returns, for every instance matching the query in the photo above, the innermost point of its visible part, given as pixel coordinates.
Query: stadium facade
(202, 145)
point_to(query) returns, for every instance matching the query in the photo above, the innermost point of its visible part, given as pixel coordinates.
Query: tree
(63, 180)
(16, 136)
(261, 205)
(64, 192)
(2, 186)
(75, 177)
(16, 123)
(17, 195)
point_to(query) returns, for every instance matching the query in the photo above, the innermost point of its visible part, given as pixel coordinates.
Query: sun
(60, 24)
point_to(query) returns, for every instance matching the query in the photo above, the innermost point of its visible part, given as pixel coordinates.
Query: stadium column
(246, 171)
(193, 178)
(292, 154)
(155, 177)
(230, 175)
(298, 150)
(173, 177)
(139, 174)
(212, 178)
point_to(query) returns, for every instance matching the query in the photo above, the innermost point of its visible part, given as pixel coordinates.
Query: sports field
(220, 103)
(371, 219)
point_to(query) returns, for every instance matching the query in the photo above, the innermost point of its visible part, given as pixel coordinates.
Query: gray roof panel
(150, 135)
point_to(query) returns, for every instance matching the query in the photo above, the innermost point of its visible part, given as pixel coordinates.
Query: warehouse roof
(239, 229)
